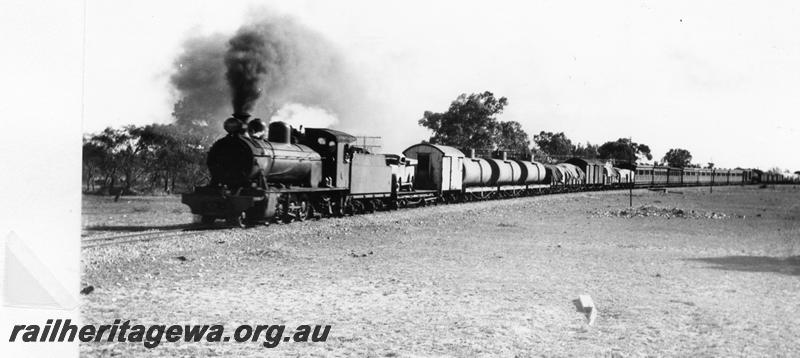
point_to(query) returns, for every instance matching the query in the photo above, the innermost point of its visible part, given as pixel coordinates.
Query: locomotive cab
(333, 146)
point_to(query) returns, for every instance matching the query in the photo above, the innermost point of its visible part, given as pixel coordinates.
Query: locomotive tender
(322, 172)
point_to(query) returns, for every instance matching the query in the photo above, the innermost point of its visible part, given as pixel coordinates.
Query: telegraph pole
(632, 177)
(713, 171)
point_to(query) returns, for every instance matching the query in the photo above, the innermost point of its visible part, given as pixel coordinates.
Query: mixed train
(291, 175)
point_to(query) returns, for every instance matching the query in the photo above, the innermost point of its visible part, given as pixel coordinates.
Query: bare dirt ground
(493, 278)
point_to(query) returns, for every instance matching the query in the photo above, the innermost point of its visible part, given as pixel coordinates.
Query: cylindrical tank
(516, 172)
(477, 172)
(502, 172)
(532, 172)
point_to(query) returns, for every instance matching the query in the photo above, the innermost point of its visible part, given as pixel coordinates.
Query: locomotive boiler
(241, 160)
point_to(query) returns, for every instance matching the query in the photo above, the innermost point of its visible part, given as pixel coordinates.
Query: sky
(719, 79)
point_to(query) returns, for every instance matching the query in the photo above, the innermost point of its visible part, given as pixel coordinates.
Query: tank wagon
(457, 177)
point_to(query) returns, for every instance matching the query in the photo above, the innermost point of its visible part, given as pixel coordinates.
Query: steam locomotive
(292, 176)
(295, 176)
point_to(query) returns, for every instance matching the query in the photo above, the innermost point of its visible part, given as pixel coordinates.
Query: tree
(101, 153)
(623, 150)
(469, 122)
(710, 165)
(540, 156)
(121, 148)
(511, 138)
(554, 144)
(95, 162)
(146, 158)
(588, 152)
(171, 154)
(678, 158)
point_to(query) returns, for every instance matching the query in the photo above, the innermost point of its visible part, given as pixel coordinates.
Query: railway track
(135, 237)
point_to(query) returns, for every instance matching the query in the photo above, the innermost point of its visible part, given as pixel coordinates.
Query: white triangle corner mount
(27, 282)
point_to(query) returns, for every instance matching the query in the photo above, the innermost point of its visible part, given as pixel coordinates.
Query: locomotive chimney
(505, 155)
(472, 153)
(236, 124)
(242, 116)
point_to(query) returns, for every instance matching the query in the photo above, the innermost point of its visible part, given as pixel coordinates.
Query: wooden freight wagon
(439, 167)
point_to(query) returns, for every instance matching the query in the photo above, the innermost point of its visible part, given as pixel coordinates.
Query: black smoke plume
(271, 65)
(246, 63)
